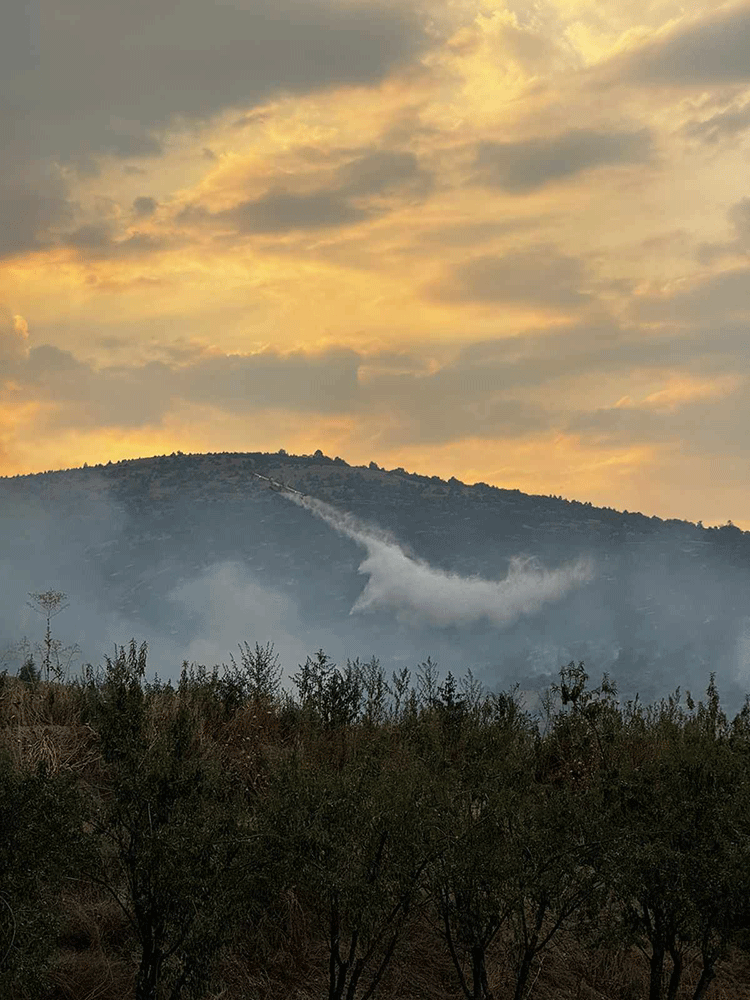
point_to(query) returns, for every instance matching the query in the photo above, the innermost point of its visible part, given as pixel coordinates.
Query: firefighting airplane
(278, 487)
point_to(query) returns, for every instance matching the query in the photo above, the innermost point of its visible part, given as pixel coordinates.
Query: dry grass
(49, 704)
(70, 748)
(93, 960)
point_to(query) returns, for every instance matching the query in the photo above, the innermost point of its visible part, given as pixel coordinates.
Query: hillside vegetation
(150, 546)
(366, 835)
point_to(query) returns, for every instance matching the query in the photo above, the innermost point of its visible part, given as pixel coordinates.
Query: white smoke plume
(412, 588)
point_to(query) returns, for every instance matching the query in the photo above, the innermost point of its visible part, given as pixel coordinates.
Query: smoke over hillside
(413, 589)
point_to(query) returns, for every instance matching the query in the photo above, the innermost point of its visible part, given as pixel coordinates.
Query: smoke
(225, 602)
(410, 587)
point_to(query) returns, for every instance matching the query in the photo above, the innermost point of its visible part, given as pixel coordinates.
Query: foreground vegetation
(366, 836)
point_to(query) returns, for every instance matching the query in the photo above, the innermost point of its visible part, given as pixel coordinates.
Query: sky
(504, 242)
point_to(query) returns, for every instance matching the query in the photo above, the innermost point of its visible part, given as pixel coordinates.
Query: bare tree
(52, 651)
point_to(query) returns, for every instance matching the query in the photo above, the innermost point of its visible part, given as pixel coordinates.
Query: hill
(194, 554)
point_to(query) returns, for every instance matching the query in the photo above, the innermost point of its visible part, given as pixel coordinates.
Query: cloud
(87, 397)
(325, 382)
(537, 358)
(382, 172)
(529, 164)
(413, 589)
(700, 52)
(91, 80)
(713, 300)
(697, 414)
(34, 201)
(485, 392)
(96, 241)
(739, 216)
(251, 118)
(539, 276)
(471, 234)
(739, 219)
(723, 125)
(14, 335)
(511, 388)
(108, 77)
(282, 211)
(144, 206)
(376, 173)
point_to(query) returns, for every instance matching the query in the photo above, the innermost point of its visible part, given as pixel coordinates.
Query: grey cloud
(568, 352)
(488, 390)
(325, 383)
(85, 396)
(739, 218)
(538, 276)
(144, 206)
(451, 404)
(514, 366)
(94, 238)
(375, 173)
(471, 234)
(82, 79)
(520, 167)
(491, 389)
(462, 399)
(32, 205)
(127, 144)
(252, 118)
(394, 362)
(107, 76)
(280, 211)
(723, 125)
(96, 241)
(384, 171)
(615, 426)
(712, 50)
(715, 301)
(12, 341)
(714, 426)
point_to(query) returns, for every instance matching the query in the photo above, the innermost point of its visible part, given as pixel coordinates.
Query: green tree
(171, 829)
(39, 824)
(482, 778)
(679, 861)
(356, 847)
(260, 673)
(329, 696)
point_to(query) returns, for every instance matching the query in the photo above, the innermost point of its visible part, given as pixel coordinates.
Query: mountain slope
(194, 553)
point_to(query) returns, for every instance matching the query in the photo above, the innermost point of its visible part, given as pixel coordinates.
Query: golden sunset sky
(503, 242)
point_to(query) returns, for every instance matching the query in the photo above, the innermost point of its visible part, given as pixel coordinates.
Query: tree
(678, 863)
(469, 884)
(50, 604)
(356, 845)
(39, 820)
(553, 872)
(171, 829)
(260, 676)
(328, 695)
(479, 785)
(516, 849)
